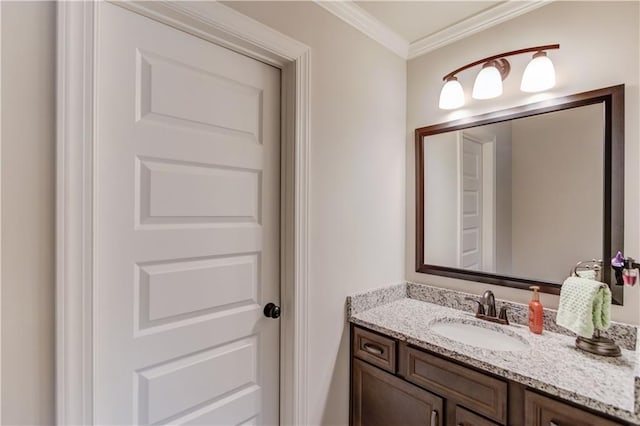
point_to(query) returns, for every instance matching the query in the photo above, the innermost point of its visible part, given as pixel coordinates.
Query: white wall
(599, 47)
(557, 170)
(28, 191)
(357, 182)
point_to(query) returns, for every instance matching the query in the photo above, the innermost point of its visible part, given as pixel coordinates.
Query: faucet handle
(503, 315)
(480, 310)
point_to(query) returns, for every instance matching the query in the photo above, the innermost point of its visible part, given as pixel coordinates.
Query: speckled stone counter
(552, 364)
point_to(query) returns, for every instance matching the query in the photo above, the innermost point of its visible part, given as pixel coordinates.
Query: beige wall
(441, 199)
(357, 163)
(557, 170)
(441, 221)
(357, 182)
(501, 133)
(28, 185)
(357, 195)
(600, 46)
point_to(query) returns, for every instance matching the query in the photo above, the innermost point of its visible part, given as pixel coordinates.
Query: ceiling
(413, 20)
(413, 28)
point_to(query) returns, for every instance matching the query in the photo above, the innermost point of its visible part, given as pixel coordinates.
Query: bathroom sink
(477, 335)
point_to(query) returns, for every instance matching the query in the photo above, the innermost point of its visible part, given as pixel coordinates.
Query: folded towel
(584, 306)
(587, 273)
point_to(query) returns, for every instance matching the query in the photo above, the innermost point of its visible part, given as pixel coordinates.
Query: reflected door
(187, 229)
(470, 247)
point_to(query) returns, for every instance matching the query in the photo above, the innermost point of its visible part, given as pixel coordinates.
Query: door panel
(187, 228)
(471, 226)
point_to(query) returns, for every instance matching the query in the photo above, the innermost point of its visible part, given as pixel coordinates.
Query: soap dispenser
(535, 312)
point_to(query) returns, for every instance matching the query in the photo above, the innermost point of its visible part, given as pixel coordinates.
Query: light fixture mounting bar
(501, 55)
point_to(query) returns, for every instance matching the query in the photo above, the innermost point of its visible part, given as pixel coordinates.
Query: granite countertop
(552, 364)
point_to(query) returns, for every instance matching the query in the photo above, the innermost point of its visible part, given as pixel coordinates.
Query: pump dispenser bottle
(535, 312)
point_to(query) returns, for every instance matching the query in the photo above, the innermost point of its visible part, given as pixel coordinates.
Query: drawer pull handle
(373, 349)
(434, 418)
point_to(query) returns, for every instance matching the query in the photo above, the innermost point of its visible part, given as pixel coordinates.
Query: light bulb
(488, 83)
(451, 95)
(539, 74)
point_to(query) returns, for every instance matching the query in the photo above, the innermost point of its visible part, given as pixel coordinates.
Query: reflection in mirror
(520, 197)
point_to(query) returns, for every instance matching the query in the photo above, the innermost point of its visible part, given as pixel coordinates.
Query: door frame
(76, 100)
(489, 241)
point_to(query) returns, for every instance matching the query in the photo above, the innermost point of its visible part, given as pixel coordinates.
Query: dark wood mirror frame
(613, 230)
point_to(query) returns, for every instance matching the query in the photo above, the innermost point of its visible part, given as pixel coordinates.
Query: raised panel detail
(471, 165)
(188, 384)
(250, 422)
(231, 410)
(470, 241)
(175, 193)
(187, 288)
(471, 203)
(194, 97)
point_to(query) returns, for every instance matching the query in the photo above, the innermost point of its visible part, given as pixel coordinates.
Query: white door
(187, 228)
(470, 255)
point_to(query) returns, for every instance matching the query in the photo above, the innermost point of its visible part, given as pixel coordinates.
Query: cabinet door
(467, 418)
(381, 399)
(543, 411)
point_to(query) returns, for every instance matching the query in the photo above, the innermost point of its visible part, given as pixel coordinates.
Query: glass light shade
(451, 95)
(488, 83)
(539, 74)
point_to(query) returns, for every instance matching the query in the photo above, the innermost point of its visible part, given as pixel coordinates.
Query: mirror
(518, 197)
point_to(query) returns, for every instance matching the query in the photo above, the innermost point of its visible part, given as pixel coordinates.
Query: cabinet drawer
(376, 349)
(542, 411)
(381, 399)
(478, 392)
(467, 418)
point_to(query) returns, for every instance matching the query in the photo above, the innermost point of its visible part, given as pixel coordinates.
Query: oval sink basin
(480, 337)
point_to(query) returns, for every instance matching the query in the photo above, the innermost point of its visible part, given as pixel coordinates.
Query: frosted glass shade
(539, 74)
(451, 95)
(488, 83)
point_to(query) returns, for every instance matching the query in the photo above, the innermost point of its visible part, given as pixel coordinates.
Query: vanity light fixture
(538, 76)
(452, 95)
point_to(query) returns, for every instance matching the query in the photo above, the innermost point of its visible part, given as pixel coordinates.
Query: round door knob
(272, 311)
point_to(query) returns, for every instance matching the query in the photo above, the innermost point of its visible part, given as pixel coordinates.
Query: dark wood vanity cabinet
(393, 383)
(461, 386)
(382, 399)
(543, 411)
(467, 418)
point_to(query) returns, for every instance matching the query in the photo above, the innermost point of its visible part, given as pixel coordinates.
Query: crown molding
(363, 21)
(483, 20)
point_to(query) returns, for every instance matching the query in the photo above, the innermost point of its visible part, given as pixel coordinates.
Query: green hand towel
(584, 306)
